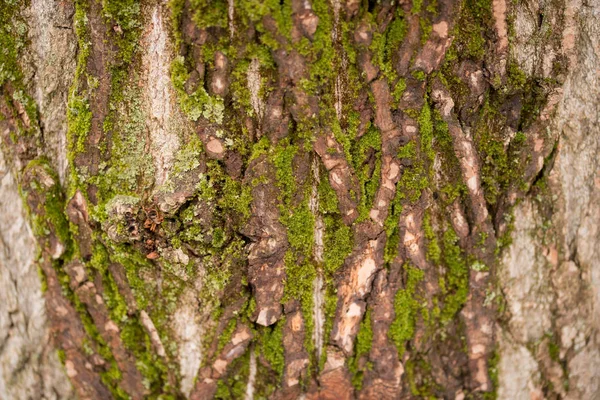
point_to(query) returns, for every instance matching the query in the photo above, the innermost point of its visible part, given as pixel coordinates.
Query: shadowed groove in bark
(321, 188)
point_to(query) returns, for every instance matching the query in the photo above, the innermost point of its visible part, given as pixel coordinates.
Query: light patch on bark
(230, 13)
(353, 291)
(53, 52)
(525, 280)
(153, 333)
(338, 89)
(318, 314)
(499, 12)
(566, 264)
(251, 375)
(189, 339)
(254, 83)
(163, 120)
(517, 382)
(29, 368)
(319, 228)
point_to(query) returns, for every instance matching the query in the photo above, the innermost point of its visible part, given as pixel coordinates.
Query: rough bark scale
(327, 199)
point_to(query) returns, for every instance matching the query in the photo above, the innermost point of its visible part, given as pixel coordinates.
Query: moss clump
(493, 363)
(474, 22)
(433, 248)
(300, 228)
(233, 385)
(455, 284)
(406, 307)
(364, 340)
(13, 39)
(298, 286)
(283, 158)
(391, 226)
(49, 217)
(420, 380)
(426, 131)
(126, 15)
(236, 197)
(501, 167)
(366, 156)
(213, 14)
(337, 242)
(271, 346)
(384, 44)
(226, 335)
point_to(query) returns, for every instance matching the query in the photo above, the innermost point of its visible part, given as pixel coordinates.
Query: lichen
(199, 103)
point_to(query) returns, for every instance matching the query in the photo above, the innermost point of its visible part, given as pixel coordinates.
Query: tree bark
(299, 199)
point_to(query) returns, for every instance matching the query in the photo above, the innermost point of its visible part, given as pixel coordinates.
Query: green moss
(406, 307)
(79, 115)
(362, 347)
(474, 21)
(43, 280)
(153, 370)
(420, 380)
(384, 44)
(419, 75)
(416, 6)
(516, 77)
(554, 351)
(412, 183)
(126, 15)
(367, 147)
(271, 346)
(493, 363)
(391, 226)
(133, 334)
(226, 335)
(236, 197)
(426, 131)
(433, 248)
(300, 228)
(13, 39)
(398, 91)
(233, 385)
(337, 243)
(210, 15)
(500, 167)
(49, 218)
(455, 285)
(260, 148)
(177, 7)
(298, 286)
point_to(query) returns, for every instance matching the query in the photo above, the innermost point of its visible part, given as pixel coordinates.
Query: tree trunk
(290, 199)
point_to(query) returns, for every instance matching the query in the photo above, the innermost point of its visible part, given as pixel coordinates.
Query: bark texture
(299, 199)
